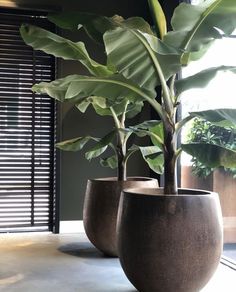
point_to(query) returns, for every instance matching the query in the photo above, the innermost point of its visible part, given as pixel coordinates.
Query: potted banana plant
(169, 239)
(102, 194)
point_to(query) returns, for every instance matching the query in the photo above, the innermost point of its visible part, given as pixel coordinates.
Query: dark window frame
(53, 220)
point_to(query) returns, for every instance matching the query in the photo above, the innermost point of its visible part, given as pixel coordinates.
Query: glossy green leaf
(200, 79)
(56, 89)
(50, 43)
(221, 117)
(151, 128)
(75, 144)
(114, 88)
(96, 25)
(109, 162)
(134, 53)
(196, 26)
(95, 101)
(83, 105)
(76, 87)
(100, 146)
(158, 17)
(159, 132)
(153, 157)
(211, 155)
(103, 109)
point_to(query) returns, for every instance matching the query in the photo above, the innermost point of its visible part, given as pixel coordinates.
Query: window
(219, 93)
(27, 129)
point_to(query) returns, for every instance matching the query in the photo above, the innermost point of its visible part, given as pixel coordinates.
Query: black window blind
(27, 129)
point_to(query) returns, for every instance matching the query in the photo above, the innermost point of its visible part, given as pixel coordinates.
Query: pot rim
(129, 178)
(184, 192)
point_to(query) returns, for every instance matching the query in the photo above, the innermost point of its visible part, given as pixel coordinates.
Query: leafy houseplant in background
(102, 195)
(203, 131)
(171, 239)
(220, 180)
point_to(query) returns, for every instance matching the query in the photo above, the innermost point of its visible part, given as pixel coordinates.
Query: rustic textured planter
(101, 208)
(169, 243)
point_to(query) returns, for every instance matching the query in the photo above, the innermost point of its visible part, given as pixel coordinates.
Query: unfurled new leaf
(158, 17)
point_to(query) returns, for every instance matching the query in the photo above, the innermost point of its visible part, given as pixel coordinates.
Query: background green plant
(204, 131)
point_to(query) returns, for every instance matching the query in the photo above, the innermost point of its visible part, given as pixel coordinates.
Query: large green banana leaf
(200, 79)
(137, 56)
(221, 117)
(56, 89)
(211, 155)
(77, 87)
(50, 43)
(96, 25)
(197, 26)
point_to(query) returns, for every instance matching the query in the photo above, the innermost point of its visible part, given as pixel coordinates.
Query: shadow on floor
(82, 250)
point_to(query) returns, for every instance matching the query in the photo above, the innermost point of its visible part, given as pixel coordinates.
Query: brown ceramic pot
(169, 243)
(101, 207)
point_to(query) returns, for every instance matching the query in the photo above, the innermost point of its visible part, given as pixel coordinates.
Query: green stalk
(166, 93)
(120, 147)
(167, 115)
(170, 177)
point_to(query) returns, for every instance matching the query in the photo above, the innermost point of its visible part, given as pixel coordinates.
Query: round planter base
(101, 207)
(170, 243)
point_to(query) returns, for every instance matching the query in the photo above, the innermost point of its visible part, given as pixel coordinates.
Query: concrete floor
(67, 263)
(230, 251)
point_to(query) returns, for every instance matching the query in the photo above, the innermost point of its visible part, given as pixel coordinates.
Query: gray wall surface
(75, 170)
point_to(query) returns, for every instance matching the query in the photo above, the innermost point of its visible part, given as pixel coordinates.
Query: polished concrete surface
(230, 251)
(69, 263)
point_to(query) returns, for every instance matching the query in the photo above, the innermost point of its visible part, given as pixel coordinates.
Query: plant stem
(170, 180)
(121, 170)
(120, 147)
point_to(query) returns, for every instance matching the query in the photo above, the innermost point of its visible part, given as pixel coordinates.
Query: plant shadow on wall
(179, 232)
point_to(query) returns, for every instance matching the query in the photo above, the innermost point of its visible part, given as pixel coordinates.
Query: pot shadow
(82, 250)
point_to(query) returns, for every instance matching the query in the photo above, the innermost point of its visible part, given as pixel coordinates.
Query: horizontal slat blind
(26, 130)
